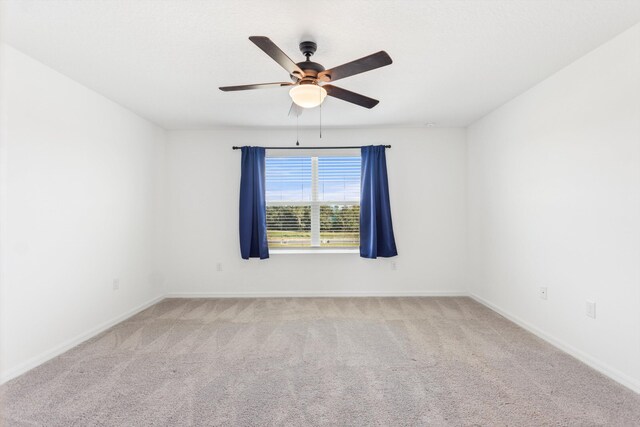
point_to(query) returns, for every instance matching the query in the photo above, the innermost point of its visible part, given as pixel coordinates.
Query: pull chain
(297, 117)
(320, 95)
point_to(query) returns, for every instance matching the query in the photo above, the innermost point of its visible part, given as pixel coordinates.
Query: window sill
(298, 251)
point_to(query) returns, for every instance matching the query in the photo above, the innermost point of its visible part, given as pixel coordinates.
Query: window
(313, 202)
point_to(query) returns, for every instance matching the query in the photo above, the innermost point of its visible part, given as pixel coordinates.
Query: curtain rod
(235, 147)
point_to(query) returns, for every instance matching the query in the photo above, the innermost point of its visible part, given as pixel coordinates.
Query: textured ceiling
(454, 61)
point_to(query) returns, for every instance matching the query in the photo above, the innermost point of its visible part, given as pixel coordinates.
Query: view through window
(313, 202)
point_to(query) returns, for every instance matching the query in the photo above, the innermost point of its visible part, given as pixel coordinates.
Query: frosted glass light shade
(308, 96)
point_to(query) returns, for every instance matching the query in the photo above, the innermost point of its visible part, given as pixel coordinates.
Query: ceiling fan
(308, 88)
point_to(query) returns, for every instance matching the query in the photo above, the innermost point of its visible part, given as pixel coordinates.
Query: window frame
(315, 205)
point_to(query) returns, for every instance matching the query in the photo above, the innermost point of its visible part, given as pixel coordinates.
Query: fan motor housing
(310, 67)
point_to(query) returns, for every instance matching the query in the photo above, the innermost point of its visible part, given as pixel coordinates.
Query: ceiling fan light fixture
(308, 95)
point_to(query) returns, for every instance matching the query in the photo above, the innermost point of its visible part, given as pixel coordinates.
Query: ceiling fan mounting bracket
(308, 48)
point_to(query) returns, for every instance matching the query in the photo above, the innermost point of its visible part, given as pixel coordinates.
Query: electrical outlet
(116, 284)
(591, 309)
(219, 266)
(543, 292)
(394, 266)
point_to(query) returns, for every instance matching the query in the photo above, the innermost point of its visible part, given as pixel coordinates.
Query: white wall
(79, 196)
(427, 185)
(554, 200)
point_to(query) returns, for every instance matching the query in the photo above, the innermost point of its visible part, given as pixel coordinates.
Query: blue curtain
(253, 210)
(376, 230)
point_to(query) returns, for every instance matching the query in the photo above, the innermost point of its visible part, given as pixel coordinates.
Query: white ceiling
(454, 61)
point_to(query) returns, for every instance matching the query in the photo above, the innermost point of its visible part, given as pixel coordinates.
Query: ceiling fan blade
(295, 110)
(347, 95)
(256, 86)
(368, 63)
(277, 55)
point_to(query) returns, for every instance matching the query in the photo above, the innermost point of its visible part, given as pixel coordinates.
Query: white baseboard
(303, 294)
(69, 344)
(594, 363)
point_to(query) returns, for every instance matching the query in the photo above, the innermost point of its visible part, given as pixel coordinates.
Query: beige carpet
(316, 361)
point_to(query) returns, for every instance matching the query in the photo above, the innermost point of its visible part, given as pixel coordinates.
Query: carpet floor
(316, 361)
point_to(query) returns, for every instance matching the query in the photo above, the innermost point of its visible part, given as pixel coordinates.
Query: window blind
(313, 202)
(288, 179)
